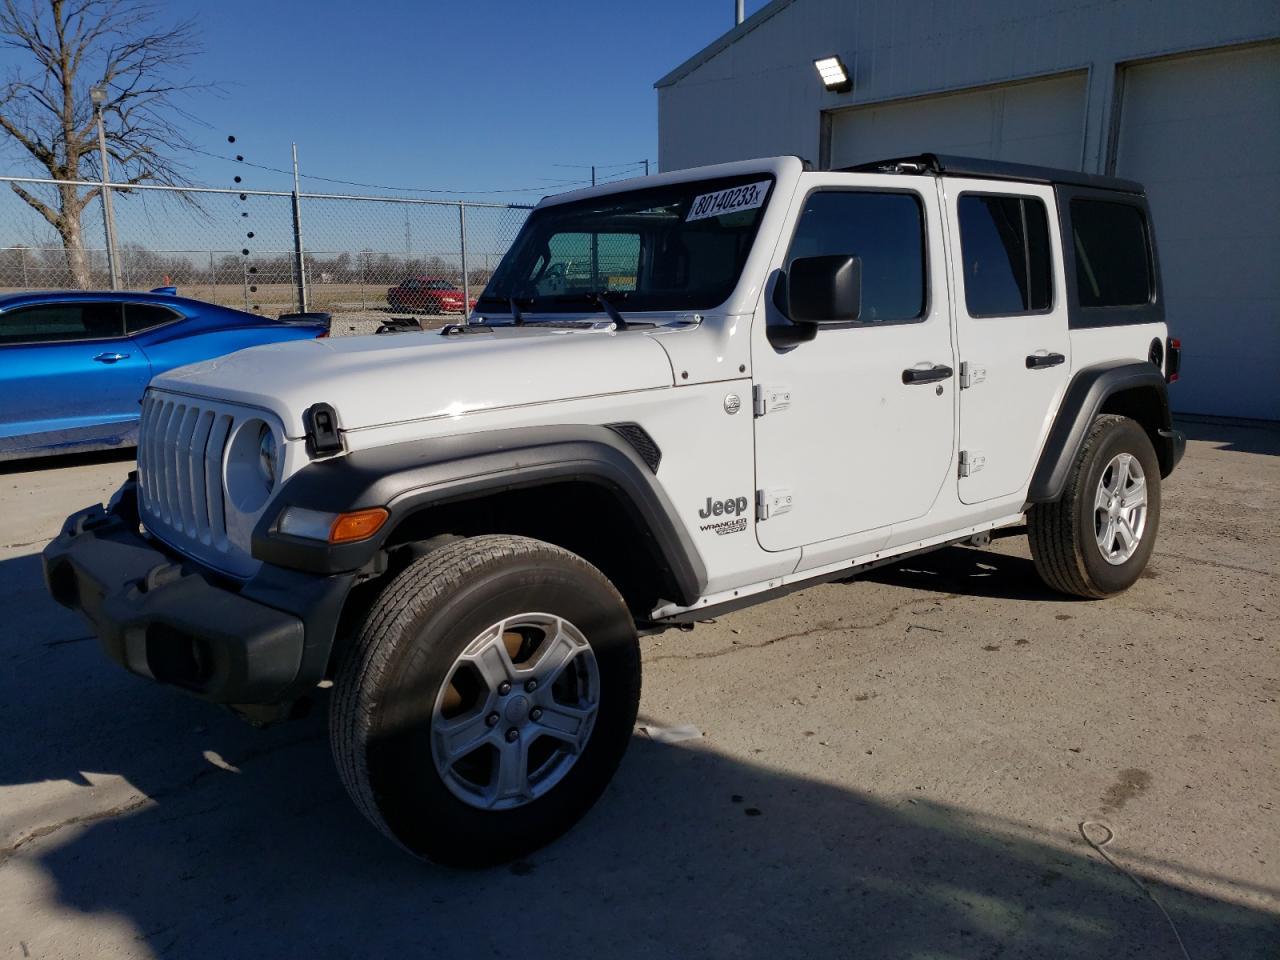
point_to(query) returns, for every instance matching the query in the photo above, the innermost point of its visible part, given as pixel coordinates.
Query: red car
(429, 295)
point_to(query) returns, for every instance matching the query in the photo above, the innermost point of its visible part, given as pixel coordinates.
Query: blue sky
(477, 96)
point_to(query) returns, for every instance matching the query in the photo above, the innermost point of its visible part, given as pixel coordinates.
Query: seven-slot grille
(180, 448)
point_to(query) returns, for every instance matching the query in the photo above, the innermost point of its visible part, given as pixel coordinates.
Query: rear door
(68, 374)
(855, 427)
(1011, 323)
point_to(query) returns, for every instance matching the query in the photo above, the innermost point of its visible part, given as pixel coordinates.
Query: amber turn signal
(357, 525)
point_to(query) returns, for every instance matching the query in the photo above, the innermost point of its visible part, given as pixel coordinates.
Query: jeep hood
(377, 380)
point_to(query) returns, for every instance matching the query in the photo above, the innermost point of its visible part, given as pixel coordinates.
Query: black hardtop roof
(941, 165)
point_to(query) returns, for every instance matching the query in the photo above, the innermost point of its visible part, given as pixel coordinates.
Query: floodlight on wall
(834, 74)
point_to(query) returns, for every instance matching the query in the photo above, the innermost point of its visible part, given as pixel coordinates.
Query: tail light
(322, 334)
(1173, 360)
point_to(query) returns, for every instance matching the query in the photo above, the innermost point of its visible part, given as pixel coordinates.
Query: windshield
(678, 247)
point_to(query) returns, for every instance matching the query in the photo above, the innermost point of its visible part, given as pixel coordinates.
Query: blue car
(74, 364)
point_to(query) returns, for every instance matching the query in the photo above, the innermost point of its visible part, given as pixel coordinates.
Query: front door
(68, 375)
(1011, 328)
(855, 427)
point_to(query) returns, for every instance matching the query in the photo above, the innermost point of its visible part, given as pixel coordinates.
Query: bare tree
(67, 48)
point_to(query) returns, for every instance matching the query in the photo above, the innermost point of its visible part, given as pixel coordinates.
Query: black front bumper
(161, 616)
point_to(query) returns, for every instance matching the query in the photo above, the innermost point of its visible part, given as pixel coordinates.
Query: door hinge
(971, 461)
(970, 375)
(769, 399)
(771, 503)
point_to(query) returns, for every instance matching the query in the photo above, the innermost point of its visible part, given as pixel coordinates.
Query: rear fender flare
(1085, 398)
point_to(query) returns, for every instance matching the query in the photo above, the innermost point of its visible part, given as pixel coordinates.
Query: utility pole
(595, 243)
(99, 97)
(738, 13)
(466, 283)
(646, 168)
(297, 238)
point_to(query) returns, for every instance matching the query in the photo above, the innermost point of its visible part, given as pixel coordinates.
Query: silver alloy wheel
(516, 711)
(1120, 508)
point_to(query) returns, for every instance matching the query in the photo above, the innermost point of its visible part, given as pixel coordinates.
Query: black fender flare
(1085, 398)
(409, 477)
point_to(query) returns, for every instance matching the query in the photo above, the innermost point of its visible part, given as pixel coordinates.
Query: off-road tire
(388, 680)
(1063, 541)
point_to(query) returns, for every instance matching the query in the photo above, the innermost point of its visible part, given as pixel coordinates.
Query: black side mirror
(824, 289)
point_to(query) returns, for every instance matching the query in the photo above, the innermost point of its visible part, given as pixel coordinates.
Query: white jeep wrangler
(677, 396)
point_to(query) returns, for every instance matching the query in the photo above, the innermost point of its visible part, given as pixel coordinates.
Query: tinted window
(613, 258)
(140, 316)
(885, 230)
(1004, 243)
(61, 321)
(1113, 264)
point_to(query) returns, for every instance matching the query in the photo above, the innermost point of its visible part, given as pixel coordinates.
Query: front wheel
(488, 699)
(1095, 540)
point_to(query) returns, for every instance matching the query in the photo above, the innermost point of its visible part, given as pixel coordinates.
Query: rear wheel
(1097, 538)
(488, 699)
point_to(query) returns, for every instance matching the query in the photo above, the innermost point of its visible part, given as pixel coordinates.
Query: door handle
(111, 357)
(1038, 361)
(932, 374)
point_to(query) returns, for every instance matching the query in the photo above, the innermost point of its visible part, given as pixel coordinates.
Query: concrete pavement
(895, 767)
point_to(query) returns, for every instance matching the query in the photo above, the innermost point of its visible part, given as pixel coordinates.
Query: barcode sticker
(747, 197)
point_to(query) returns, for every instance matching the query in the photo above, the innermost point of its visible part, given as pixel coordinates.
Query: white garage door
(1203, 134)
(1041, 122)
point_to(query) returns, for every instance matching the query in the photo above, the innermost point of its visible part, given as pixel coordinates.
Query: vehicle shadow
(119, 454)
(248, 846)
(1242, 436)
(969, 571)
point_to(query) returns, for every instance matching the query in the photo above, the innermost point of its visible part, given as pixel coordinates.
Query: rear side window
(142, 316)
(53, 322)
(886, 231)
(1004, 244)
(1113, 259)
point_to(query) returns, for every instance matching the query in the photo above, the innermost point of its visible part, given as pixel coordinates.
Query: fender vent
(640, 441)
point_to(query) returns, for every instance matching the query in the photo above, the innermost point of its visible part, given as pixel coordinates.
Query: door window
(1113, 265)
(143, 316)
(1004, 245)
(53, 322)
(886, 231)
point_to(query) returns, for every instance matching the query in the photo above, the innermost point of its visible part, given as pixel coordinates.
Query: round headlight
(268, 453)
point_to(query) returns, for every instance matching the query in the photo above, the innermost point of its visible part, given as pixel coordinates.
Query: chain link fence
(263, 251)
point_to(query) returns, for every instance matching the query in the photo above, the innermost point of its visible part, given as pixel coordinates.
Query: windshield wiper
(592, 296)
(546, 302)
(610, 309)
(489, 302)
